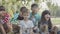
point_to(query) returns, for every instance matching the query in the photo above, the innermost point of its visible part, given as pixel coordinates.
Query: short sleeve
(21, 24)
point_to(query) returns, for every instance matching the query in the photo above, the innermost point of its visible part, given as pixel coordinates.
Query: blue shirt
(14, 19)
(15, 16)
(36, 17)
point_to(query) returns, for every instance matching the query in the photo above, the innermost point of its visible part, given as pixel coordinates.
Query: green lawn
(56, 21)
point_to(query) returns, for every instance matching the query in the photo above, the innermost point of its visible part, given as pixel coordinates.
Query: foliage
(16, 4)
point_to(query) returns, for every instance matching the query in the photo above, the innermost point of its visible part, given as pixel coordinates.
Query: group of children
(29, 22)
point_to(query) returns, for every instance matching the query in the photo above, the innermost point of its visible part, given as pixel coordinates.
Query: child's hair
(44, 28)
(34, 5)
(44, 20)
(54, 30)
(23, 9)
(2, 8)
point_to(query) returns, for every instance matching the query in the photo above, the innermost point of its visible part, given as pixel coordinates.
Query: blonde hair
(44, 28)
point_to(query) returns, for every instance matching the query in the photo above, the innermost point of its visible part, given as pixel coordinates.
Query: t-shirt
(6, 18)
(26, 25)
(14, 19)
(36, 17)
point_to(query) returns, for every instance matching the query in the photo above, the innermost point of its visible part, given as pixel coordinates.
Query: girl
(5, 23)
(45, 19)
(20, 17)
(26, 25)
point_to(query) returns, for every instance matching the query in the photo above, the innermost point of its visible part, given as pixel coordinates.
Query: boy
(22, 9)
(26, 25)
(34, 16)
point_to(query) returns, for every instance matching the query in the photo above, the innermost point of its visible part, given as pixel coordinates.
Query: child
(26, 25)
(34, 16)
(22, 9)
(5, 20)
(1, 26)
(19, 18)
(44, 29)
(54, 30)
(45, 19)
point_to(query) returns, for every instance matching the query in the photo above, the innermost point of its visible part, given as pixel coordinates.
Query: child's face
(35, 9)
(47, 17)
(26, 15)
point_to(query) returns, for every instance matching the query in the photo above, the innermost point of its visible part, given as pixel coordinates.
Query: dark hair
(33, 5)
(44, 20)
(2, 8)
(22, 9)
(43, 15)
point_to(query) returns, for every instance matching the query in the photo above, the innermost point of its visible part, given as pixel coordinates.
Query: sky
(44, 6)
(56, 1)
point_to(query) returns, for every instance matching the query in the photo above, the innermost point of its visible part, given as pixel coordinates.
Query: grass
(56, 21)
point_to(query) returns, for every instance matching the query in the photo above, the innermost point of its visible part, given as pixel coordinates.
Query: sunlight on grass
(56, 21)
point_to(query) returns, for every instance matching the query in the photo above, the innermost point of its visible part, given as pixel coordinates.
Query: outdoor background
(52, 5)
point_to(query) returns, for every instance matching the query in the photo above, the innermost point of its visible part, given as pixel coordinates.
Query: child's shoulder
(29, 20)
(21, 21)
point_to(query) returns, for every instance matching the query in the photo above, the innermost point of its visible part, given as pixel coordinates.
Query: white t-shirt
(26, 24)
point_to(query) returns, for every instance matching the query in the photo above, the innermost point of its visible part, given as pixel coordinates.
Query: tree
(52, 8)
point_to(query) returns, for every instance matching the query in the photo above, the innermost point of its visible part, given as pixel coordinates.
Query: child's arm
(31, 31)
(21, 28)
(20, 31)
(2, 28)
